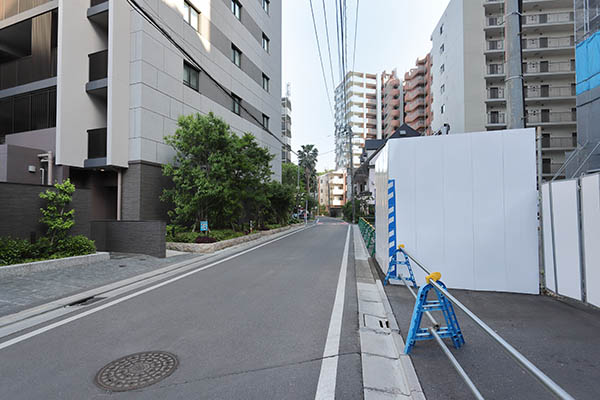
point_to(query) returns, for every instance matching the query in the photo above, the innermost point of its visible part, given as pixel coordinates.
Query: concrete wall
(143, 184)
(588, 132)
(15, 162)
(20, 211)
(138, 237)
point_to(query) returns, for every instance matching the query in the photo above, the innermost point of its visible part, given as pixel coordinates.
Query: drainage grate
(376, 323)
(136, 371)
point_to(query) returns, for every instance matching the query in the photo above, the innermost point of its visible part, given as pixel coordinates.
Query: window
(443, 108)
(266, 5)
(190, 76)
(236, 56)
(236, 9)
(236, 104)
(265, 82)
(441, 29)
(442, 68)
(190, 15)
(266, 42)
(442, 89)
(442, 49)
(265, 121)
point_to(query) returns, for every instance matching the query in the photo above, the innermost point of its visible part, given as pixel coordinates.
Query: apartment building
(332, 191)
(392, 102)
(90, 88)
(286, 126)
(457, 56)
(418, 112)
(586, 158)
(548, 60)
(358, 105)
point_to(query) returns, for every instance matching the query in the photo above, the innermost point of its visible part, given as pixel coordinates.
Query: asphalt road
(252, 327)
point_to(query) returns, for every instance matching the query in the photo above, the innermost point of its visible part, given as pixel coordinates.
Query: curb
(207, 248)
(387, 371)
(19, 269)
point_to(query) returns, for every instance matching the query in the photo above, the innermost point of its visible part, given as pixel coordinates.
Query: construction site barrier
(368, 234)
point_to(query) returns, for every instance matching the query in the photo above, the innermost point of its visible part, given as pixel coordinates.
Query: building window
(265, 82)
(190, 15)
(443, 109)
(266, 42)
(442, 89)
(266, 5)
(442, 49)
(236, 104)
(442, 68)
(441, 29)
(265, 121)
(236, 9)
(190, 76)
(236, 56)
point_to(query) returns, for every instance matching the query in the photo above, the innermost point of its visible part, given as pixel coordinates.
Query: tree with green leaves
(57, 216)
(307, 162)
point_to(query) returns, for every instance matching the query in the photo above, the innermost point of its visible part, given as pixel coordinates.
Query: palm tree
(307, 161)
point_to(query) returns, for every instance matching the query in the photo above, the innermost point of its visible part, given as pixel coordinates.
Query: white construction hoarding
(466, 206)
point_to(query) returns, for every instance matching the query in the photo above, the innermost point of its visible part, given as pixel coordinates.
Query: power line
(321, 58)
(140, 10)
(328, 45)
(355, 35)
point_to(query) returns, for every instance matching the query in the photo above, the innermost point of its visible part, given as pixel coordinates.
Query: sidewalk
(20, 292)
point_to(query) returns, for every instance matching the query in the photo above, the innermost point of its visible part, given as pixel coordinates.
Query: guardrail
(548, 383)
(368, 233)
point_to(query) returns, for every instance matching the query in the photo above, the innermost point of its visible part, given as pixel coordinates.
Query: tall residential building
(548, 65)
(332, 191)
(586, 157)
(358, 105)
(417, 96)
(458, 68)
(286, 126)
(95, 86)
(392, 100)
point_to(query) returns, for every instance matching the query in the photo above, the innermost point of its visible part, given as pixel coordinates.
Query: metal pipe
(518, 357)
(50, 169)
(119, 192)
(456, 365)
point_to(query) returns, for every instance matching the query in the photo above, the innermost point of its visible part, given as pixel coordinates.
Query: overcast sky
(391, 34)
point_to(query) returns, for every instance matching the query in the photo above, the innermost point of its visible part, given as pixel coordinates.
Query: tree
(56, 216)
(217, 176)
(289, 174)
(281, 200)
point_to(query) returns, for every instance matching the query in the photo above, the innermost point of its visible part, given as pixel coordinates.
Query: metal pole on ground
(515, 104)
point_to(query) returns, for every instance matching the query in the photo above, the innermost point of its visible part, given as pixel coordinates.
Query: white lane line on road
(65, 321)
(328, 375)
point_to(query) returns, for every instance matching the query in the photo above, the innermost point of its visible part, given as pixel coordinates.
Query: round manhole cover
(136, 371)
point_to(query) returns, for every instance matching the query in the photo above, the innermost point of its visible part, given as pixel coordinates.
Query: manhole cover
(136, 371)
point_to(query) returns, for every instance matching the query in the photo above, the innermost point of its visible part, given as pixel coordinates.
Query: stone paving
(21, 292)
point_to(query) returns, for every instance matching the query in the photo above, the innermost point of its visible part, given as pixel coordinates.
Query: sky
(391, 34)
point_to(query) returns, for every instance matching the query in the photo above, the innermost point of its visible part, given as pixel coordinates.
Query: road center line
(328, 375)
(65, 321)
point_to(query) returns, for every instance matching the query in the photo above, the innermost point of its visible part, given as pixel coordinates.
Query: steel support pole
(515, 104)
(542, 263)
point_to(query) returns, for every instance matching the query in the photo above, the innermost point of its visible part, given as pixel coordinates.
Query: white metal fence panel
(590, 213)
(566, 238)
(550, 279)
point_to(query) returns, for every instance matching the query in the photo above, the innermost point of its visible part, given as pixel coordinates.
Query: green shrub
(13, 251)
(225, 234)
(74, 246)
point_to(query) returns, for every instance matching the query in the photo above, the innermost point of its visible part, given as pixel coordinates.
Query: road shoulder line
(387, 372)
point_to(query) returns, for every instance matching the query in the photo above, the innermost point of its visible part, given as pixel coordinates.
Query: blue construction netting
(587, 57)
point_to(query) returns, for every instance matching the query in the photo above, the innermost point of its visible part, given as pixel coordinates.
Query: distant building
(417, 96)
(392, 100)
(332, 191)
(286, 126)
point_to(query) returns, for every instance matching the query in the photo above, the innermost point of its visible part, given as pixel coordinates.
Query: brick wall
(139, 237)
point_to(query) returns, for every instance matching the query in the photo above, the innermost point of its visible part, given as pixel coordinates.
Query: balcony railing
(10, 8)
(559, 142)
(22, 71)
(494, 21)
(548, 43)
(496, 118)
(549, 18)
(495, 93)
(541, 117)
(538, 67)
(98, 67)
(551, 168)
(97, 143)
(495, 69)
(495, 45)
(549, 91)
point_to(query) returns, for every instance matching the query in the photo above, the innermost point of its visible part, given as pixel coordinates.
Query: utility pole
(515, 104)
(351, 162)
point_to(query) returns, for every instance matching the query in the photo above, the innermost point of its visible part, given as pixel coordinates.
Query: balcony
(412, 105)
(96, 148)
(549, 68)
(495, 70)
(412, 116)
(495, 94)
(549, 21)
(494, 25)
(496, 119)
(413, 94)
(546, 117)
(549, 44)
(98, 73)
(98, 13)
(558, 143)
(494, 47)
(11, 8)
(546, 92)
(551, 168)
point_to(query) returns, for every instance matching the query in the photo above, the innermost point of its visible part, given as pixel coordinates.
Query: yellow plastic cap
(436, 276)
(401, 246)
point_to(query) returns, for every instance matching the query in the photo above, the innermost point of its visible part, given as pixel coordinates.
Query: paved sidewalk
(20, 292)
